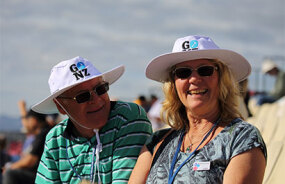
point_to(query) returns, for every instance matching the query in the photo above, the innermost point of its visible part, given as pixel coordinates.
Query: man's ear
(59, 107)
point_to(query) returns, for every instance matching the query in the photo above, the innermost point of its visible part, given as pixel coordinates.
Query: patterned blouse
(210, 162)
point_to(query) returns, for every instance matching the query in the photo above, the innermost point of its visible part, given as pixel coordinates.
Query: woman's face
(199, 94)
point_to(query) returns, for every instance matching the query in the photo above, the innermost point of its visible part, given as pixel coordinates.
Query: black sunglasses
(85, 96)
(203, 71)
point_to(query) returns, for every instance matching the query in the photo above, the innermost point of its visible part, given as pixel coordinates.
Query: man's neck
(81, 132)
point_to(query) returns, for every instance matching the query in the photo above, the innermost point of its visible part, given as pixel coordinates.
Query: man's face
(93, 113)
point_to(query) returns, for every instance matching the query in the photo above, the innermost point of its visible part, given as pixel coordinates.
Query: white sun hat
(70, 73)
(268, 65)
(192, 48)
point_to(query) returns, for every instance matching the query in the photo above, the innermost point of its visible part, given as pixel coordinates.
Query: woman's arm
(247, 167)
(142, 167)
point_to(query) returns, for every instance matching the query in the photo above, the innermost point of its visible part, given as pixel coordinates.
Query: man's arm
(127, 146)
(47, 170)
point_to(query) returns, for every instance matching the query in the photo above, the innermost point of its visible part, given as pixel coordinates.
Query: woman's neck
(201, 123)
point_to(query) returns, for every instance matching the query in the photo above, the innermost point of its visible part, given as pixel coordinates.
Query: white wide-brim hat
(193, 48)
(68, 74)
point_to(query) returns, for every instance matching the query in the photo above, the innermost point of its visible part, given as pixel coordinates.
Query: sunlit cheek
(179, 92)
(76, 111)
(180, 85)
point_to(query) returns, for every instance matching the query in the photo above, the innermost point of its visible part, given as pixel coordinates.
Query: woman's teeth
(201, 91)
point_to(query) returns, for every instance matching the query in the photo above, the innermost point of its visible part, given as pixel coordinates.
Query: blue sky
(36, 35)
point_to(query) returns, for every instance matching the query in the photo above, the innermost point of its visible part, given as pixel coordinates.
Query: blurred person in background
(153, 99)
(269, 67)
(101, 139)
(24, 170)
(142, 101)
(28, 128)
(53, 119)
(244, 99)
(154, 113)
(4, 156)
(208, 142)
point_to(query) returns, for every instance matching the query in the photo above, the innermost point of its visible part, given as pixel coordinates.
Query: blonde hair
(174, 113)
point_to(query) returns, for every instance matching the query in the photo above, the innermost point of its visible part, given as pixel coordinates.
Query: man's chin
(95, 124)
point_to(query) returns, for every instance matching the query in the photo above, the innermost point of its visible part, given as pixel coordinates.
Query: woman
(209, 142)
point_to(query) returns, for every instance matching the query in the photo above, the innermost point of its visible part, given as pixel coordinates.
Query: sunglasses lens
(102, 89)
(99, 90)
(183, 73)
(83, 97)
(205, 70)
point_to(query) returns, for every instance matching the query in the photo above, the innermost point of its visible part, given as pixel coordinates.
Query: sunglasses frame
(105, 84)
(196, 69)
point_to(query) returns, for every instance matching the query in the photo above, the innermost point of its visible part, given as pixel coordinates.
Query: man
(270, 68)
(24, 170)
(101, 139)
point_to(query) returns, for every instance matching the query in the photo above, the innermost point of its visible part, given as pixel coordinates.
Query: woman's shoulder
(238, 126)
(159, 136)
(162, 132)
(244, 136)
(241, 130)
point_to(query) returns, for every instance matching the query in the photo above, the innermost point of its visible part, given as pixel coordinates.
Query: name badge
(201, 166)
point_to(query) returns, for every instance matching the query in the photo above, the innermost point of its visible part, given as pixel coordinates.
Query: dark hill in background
(8, 124)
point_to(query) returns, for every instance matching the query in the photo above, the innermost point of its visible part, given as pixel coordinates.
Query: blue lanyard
(171, 174)
(92, 164)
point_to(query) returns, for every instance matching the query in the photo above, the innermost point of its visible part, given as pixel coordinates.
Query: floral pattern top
(236, 138)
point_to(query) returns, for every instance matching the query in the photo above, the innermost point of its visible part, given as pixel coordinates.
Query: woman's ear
(59, 108)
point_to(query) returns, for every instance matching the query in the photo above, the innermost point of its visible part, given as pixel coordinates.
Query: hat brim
(47, 106)
(158, 69)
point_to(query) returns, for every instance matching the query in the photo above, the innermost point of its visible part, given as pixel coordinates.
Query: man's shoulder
(126, 113)
(57, 130)
(130, 108)
(125, 105)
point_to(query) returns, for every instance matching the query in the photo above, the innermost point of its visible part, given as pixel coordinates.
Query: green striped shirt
(67, 157)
